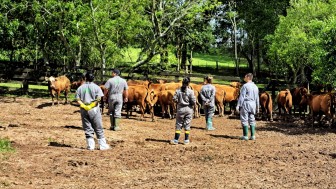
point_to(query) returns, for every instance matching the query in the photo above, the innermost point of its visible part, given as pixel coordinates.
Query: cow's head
(303, 91)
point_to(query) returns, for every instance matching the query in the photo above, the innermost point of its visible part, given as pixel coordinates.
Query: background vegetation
(291, 40)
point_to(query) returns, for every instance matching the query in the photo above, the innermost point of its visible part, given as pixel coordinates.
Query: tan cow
(284, 100)
(57, 85)
(219, 100)
(231, 96)
(138, 82)
(171, 86)
(266, 105)
(197, 89)
(139, 95)
(166, 101)
(236, 84)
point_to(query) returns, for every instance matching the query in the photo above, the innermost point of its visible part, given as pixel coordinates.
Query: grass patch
(19, 85)
(5, 146)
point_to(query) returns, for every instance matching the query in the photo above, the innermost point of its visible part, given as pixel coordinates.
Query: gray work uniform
(248, 103)
(92, 119)
(116, 86)
(185, 102)
(207, 93)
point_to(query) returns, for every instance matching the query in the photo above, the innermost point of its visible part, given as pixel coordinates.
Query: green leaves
(299, 40)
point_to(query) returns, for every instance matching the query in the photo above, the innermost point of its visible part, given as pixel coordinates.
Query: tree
(165, 17)
(298, 42)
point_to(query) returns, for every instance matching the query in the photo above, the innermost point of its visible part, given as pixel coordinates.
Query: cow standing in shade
(320, 104)
(284, 100)
(266, 105)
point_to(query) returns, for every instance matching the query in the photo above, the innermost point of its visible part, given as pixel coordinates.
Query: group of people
(89, 94)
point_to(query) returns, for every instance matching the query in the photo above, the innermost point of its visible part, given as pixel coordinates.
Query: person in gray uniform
(185, 99)
(117, 90)
(248, 106)
(88, 96)
(208, 92)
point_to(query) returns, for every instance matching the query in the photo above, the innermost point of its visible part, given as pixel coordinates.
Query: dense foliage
(293, 39)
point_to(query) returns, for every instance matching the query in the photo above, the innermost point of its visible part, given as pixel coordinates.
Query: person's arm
(202, 95)
(257, 100)
(192, 98)
(241, 98)
(126, 95)
(175, 97)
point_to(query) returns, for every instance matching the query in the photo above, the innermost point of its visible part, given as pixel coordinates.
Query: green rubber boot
(116, 124)
(209, 125)
(252, 127)
(112, 120)
(245, 133)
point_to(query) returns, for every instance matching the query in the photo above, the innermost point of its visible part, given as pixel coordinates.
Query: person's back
(116, 88)
(186, 98)
(248, 106)
(116, 85)
(207, 93)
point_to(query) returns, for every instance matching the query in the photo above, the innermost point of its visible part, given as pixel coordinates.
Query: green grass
(5, 146)
(18, 85)
(199, 59)
(207, 60)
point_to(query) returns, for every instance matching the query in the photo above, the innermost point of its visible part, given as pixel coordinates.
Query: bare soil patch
(50, 152)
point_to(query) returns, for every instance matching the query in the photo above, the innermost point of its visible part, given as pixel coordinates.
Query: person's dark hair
(208, 78)
(89, 76)
(249, 75)
(185, 83)
(116, 71)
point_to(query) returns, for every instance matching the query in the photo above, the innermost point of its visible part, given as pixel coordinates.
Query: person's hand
(237, 109)
(125, 99)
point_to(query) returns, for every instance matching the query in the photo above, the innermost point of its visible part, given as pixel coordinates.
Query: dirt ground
(50, 152)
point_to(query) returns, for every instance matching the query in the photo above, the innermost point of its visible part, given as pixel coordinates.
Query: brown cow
(171, 86)
(284, 100)
(197, 89)
(138, 82)
(231, 96)
(297, 95)
(76, 84)
(236, 84)
(219, 100)
(320, 104)
(166, 101)
(266, 105)
(57, 85)
(139, 95)
(104, 100)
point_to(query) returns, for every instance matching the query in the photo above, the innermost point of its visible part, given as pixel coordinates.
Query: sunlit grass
(5, 146)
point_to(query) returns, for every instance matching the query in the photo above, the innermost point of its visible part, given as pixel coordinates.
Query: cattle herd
(156, 98)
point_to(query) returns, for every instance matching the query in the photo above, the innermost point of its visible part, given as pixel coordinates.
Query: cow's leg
(57, 97)
(163, 109)
(168, 110)
(221, 107)
(151, 109)
(66, 96)
(142, 109)
(269, 114)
